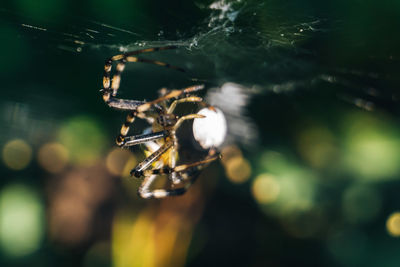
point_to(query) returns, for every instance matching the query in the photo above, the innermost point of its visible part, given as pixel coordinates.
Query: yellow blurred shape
(53, 157)
(230, 152)
(151, 239)
(17, 154)
(316, 145)
(21, 220)
(374, 157)
(132, 241)
(393, 224)
(119, 162)
(238, 170)
(83, 137)
(265, 188)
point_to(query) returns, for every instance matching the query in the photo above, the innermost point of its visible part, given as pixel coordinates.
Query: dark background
(309, 178)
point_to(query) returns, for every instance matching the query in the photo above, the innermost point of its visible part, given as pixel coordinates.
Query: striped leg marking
(170, 95)
(187, 174)
(111, 86)
(196, 166)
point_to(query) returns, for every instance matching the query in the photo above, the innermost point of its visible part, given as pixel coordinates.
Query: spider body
(162, 143)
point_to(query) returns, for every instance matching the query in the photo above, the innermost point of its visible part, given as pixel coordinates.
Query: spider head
(167, 120)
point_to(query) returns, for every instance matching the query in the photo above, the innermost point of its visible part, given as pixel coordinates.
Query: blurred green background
(311, 167)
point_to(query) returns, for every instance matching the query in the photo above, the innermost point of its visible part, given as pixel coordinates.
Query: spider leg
(111, 86)
(146, 163)
(140, 109)
(171, 94)
(186, 117)
(172, 163)
(124, 104)
(172, 160)
(143, 138)
(116, 80)
(130, 118)
(145, 192)
(186, 174)
(198, 165)
(182, 100)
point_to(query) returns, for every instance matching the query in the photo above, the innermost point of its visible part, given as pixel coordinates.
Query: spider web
(250, 43)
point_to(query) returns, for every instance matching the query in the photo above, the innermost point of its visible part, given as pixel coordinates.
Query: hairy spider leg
(130, 118)
(213, 155)
(139, 110)
(183, 100)
(172, 159)
(174, 149)
(177, 94)
(146, 163)
(144, 138)
(111, 86)
(186, 172)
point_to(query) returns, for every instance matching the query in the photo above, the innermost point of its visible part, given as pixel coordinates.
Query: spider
(209, 128)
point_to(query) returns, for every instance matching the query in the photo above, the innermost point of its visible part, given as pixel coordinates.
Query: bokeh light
(274, 162)
(69, 219)
(230, 152)
(297, 185)
(53, 157)
(297, 191)
(74, 198)
(21, 220)
(237, 168)
(83, 137)
(317, 146)
(17, 154)
(372, 147)
(159, 235)
(265, 188)
(119, 162)
(393, 224)
(131, 246)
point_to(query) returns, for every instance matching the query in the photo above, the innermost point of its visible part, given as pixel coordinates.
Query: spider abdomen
(210, 131)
